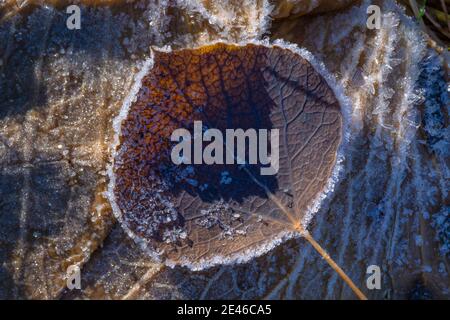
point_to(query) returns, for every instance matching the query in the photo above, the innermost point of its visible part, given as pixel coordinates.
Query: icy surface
(60, 90)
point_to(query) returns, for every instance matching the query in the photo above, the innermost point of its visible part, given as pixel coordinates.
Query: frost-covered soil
(60, 90)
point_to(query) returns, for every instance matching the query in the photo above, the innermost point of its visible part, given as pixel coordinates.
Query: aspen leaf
(200, 214)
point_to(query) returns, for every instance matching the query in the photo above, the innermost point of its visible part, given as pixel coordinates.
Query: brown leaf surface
(225, 87)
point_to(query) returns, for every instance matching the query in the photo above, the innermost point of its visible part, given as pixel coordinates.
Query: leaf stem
(332, 263)
(299, 228)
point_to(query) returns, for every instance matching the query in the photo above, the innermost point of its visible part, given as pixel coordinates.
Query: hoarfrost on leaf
(226, 212)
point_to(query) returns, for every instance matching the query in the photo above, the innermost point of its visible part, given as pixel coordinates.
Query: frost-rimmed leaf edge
(320, 200)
